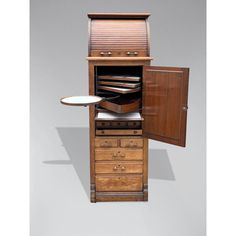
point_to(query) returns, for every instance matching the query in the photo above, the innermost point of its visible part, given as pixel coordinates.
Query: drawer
(106, 142)
(131, 142)
(103, 124)
(112, 124)
(113, 167)
(134, 124)
(119, 132)
(119, 183)
(123, 154)
(118, 124)
(119, 53)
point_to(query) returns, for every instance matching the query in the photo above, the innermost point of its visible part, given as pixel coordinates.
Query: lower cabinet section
(119, 183)
(119, 169)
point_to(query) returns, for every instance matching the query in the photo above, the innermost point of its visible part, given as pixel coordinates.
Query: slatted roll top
(118, 35)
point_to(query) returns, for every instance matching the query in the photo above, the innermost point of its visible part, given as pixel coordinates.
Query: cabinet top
(137, 15)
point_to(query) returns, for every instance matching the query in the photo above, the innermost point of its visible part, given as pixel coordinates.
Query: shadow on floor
(159, 165)
(76, 143)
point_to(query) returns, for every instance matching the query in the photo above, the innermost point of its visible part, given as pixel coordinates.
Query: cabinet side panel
(145, 169)
(92, 135)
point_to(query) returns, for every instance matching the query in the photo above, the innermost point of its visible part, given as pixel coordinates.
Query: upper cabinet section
(118, 35)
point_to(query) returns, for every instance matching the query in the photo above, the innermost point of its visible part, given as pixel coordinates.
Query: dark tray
(121, 105)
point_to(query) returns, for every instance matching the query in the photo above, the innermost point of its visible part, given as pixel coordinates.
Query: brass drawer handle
(118, 155)
(123, 168)
(132, 53)
(105, 53)
(132, 144)
(115, 168)
(106, 144)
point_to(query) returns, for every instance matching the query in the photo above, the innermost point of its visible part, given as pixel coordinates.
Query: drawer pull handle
(123, 168)
(105, 53)
(106, 144)
(132, 145)
(132, 53)
(115, 168)
(118, 155)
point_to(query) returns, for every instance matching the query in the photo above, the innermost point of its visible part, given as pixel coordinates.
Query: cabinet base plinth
(119, 196)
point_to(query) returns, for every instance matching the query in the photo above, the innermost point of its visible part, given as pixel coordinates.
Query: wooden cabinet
(140, 102)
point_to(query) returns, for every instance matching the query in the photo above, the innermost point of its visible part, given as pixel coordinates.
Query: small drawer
(119, 124)
(119, 183)
(106, 142)
(113, 167)
(103, 124)
(134, 124)
(119, 154)
(131, 142)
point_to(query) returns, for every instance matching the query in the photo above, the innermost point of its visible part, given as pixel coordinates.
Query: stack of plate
(119, 84)
(123, 85)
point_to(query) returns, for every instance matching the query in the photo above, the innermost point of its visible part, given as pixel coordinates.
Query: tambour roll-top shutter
(118, 36)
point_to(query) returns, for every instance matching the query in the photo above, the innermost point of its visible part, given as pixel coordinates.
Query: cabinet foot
(145, 193)
(92, 193)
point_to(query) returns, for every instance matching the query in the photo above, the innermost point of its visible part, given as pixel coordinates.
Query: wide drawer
(131, 142)
(134, 167)
(123, 154)
(119, 53)
(114, 124)
(106, 142)
(119, 132)
(119, 183)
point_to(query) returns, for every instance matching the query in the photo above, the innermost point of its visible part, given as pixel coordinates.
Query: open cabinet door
(165, 95)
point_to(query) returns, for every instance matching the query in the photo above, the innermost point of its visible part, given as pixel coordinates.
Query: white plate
(81, 100)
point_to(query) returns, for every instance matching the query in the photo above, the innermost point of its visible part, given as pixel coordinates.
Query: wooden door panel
(165, 92)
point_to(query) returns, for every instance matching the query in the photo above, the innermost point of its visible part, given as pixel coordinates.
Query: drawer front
(119, 53)
(134, 124)
(103, 124)
(121, 154)
(119, 132)
(135, 167)
(106, 142)
(131, 143)
(112, 124)
(119, 183)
